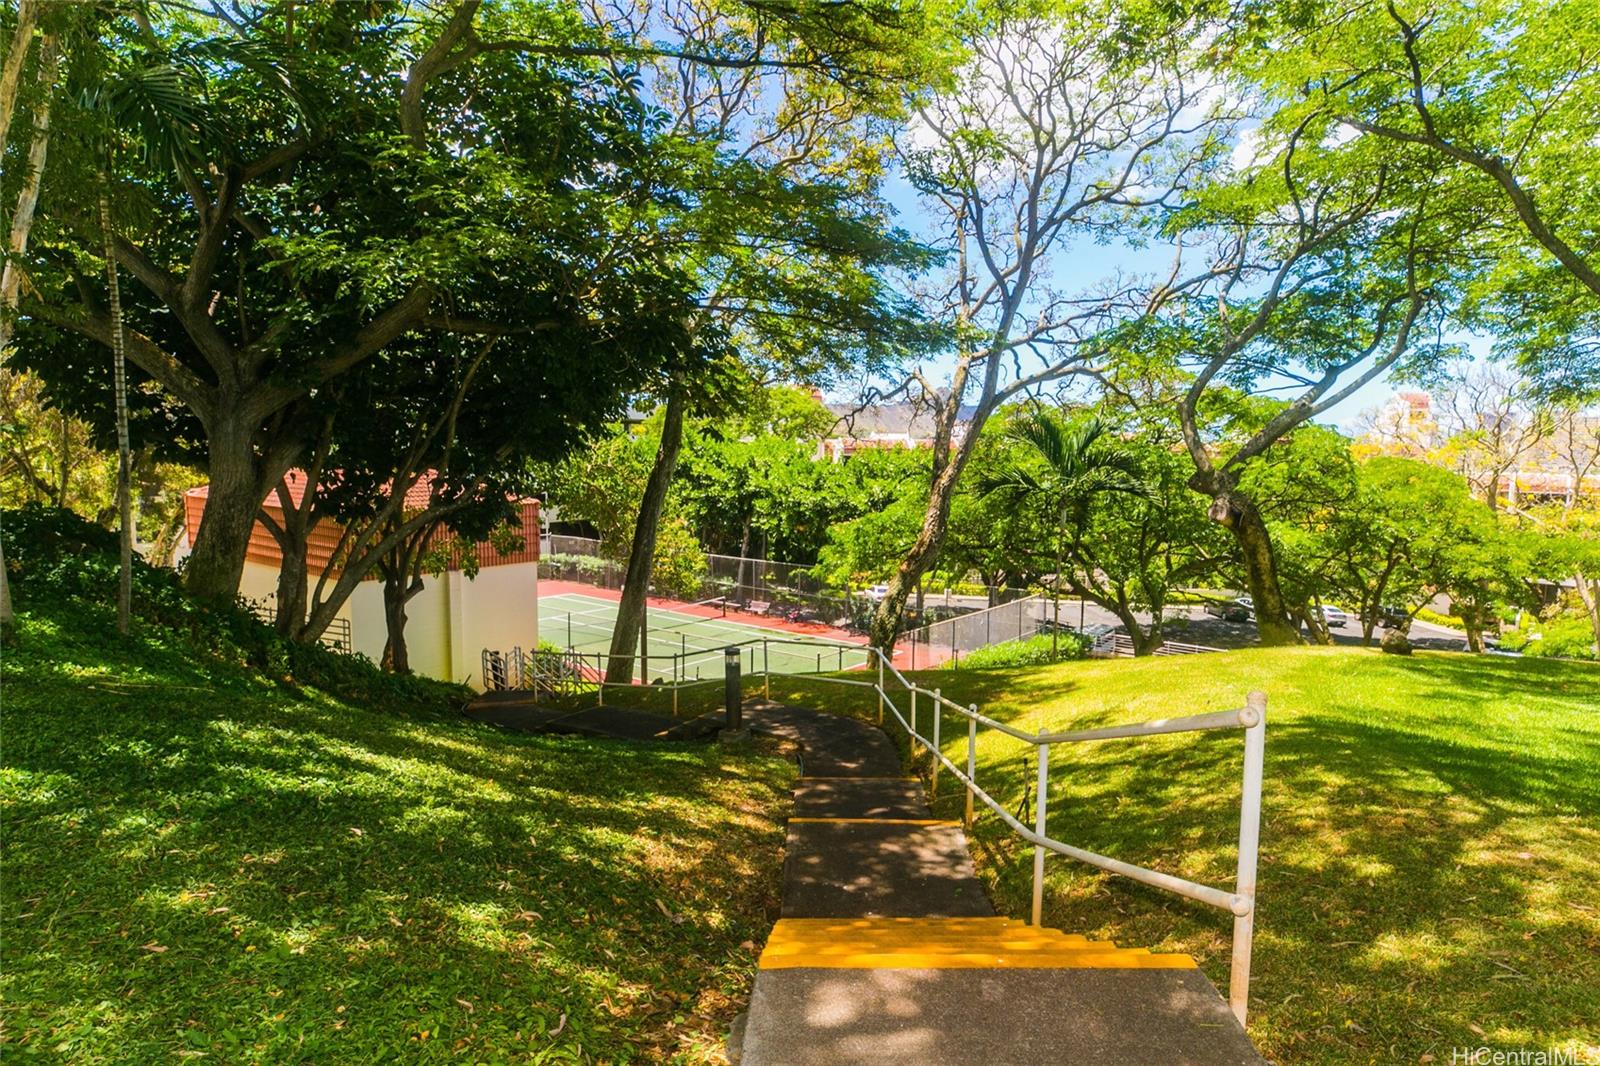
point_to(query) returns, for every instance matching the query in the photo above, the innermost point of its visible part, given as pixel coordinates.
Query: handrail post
(913, 726)
(938, 716)
(766, 670)
(1040, 792)
(972, 761)
(880, 686)
(1255, 745)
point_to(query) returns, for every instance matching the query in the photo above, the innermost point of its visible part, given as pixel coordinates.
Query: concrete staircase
(888, 951)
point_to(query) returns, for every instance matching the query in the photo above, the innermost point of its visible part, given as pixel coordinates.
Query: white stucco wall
(449, 623)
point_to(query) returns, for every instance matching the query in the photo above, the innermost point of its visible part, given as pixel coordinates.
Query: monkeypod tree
(1310, 273)
(1071, 123)
(1499, 100)
(329, 180)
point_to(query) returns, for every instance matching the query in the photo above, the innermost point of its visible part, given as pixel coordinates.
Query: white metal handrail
(1251, 718)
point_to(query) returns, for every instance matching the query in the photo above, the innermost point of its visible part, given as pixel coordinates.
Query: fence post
(732, 697)
(938, 716)
(913, 715)
(1244, 886)
(1039, 830)
(766, 670)
(972, 760)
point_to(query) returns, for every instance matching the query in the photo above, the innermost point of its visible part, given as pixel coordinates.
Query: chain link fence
(943, 641)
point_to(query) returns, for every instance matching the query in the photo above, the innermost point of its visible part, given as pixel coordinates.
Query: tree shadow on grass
(1410, 887)
(223, 878)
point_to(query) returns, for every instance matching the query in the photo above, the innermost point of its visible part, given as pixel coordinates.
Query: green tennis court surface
(687, 646)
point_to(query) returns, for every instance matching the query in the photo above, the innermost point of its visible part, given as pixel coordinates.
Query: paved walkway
(888, 951)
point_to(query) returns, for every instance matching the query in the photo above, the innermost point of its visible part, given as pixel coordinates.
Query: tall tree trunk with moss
(120, 386)
(642, 551)
(1239, 515)
(28, 196)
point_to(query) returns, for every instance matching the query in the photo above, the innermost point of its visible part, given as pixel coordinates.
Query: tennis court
(690, 645)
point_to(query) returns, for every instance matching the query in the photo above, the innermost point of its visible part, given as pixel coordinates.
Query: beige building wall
(448, 624)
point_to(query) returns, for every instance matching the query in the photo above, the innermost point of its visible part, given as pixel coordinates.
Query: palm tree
(1063, 465)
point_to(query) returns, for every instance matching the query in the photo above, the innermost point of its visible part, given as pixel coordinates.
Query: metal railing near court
(1116, 645)
(879, 673)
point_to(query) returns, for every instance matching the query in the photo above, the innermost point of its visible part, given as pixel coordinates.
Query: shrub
(1563, 638)
(1035, 651)
(54, 556)
(679, 567)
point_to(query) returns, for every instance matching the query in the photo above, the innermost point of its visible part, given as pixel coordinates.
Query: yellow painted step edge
(1069, 960)
(912, 934)
(996, 947)
(890, 922)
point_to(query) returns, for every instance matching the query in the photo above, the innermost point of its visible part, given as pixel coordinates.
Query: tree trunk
(28, 197)
(885, 626)
(120, 388)
(739, 583)
(290, 617)
(1146, 642)
(396, 594)
(233, 498)
(1238, 514)
(1316, 627)
(1589, 593)
(6, 613)
(642, 552)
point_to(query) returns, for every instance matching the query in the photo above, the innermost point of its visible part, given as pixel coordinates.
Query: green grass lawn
(1430, 871)
(201, 862)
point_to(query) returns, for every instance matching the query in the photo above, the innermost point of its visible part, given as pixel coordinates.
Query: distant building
(449, 622)
(877, 426)
(1405, 426)
(1526, 460)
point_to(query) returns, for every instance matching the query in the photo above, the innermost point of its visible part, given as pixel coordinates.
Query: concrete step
(859, 797)
(933, 943)
(866, 869)
(831, 746)
(976, 1016)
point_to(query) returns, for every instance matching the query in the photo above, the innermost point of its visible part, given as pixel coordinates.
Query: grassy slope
(199, 860)
(1431, 842)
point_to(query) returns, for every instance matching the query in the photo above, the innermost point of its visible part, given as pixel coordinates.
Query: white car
(1334, 618)
(877, 593)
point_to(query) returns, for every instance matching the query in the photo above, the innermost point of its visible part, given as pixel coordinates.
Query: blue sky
(1080, 265)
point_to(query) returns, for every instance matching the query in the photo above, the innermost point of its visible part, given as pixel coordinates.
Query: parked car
(1334, 618)
(1392, 617)
(877, 592)
(1240, 610)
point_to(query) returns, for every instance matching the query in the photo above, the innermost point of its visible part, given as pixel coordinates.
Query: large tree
(1050, 138)
(788, 235)
(350, 176)
(1500, 101)
(1319, 273)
